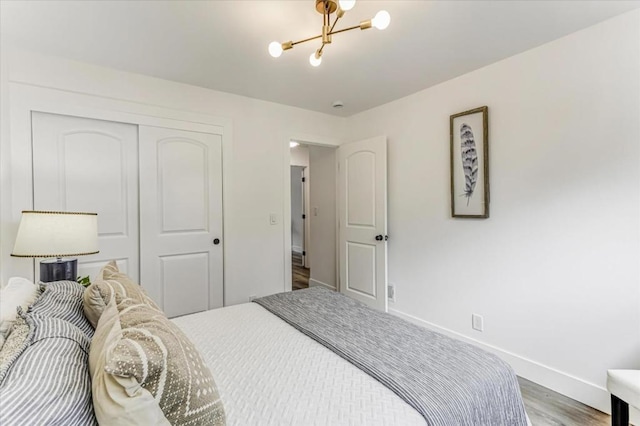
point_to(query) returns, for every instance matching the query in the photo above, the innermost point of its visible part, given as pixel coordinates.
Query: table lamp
(57, 235)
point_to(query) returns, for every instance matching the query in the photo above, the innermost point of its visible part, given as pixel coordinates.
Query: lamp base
(58, 270)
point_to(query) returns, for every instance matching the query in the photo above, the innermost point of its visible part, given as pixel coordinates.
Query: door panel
(191, 274)
(181, 215)
(183, 186)
(81, 164)
(361, 187)
(362, 177)
(361, 273)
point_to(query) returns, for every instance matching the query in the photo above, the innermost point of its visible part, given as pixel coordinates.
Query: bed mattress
(268, 373)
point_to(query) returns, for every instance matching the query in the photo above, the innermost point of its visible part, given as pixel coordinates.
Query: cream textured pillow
(144, 369)
(118, 400)
(110, 281)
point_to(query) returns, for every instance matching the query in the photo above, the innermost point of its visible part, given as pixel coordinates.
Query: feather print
(469, 160)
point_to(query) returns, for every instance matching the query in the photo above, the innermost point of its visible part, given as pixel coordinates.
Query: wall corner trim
(316, 283)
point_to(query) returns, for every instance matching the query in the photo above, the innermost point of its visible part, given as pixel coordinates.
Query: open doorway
(299, 266)
(313, 215)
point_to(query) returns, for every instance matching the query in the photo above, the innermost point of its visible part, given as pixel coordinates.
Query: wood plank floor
(544, 406)
(300, 274)
(548, 408)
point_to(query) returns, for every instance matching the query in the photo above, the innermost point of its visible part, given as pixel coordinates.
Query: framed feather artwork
(469, 132)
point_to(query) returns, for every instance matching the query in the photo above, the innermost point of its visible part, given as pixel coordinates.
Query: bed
(289, 359)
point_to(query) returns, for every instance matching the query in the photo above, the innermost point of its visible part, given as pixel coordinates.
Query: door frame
(16, 193)
(310, 140)
(304, 245)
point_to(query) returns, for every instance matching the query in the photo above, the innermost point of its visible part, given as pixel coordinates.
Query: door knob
(379, 238)
(216, 241)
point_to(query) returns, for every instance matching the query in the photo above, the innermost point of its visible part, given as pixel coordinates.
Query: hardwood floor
(300, 274)
(548, 408)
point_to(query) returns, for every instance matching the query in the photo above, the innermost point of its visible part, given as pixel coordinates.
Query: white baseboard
(316, 283)
(588, 393)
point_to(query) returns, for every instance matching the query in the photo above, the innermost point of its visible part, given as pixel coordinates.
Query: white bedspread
(268, 373)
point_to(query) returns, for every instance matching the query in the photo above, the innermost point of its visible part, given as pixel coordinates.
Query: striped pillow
(49, 382)
(63, 300)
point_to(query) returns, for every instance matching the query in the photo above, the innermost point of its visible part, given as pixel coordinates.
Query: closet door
(81, 164)
(181, 219)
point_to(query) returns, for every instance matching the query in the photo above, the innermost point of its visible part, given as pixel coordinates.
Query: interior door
(181, 219)
(81, 164)
(362, 220)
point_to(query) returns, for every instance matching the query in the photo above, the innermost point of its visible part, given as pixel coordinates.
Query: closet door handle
(216, 241)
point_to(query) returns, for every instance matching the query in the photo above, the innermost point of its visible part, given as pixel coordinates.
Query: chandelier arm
(334, 25)
(306, 40)
(331, 33)
(321, 47)
(355, 27)
(346, 29)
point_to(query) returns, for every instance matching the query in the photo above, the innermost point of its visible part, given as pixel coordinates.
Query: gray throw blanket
(447, 381)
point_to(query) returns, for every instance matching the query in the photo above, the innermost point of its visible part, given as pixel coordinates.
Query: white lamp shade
(56, 234)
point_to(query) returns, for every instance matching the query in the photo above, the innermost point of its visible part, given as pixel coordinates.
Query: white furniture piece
(624, 386)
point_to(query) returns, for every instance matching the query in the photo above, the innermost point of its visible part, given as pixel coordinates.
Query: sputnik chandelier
(327, 8)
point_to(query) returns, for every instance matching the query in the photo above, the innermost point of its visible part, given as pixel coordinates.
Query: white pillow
(18, 292)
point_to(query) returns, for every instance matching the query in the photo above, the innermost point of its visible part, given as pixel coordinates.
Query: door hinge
(304, 179)
(304, 253)
(304, 216)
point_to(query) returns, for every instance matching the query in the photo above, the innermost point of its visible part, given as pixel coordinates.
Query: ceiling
(222, 45)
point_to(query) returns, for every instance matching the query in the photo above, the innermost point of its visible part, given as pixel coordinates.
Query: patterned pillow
(19, 292)
(49, 382)
(144, 369)
(110, 282)
(16, 343)
(63, 300)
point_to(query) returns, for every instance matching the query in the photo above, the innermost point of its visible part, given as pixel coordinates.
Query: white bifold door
(362, 220)
(158, 195)
(87, 165)
(181, 219)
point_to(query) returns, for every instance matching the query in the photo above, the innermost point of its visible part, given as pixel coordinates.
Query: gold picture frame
(469, 136)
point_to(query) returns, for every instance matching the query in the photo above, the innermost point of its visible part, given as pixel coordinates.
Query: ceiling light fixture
(327, 8)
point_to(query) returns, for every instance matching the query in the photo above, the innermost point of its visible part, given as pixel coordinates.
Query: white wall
(300, 156)
(297, 210)
(254, 161)
(555, 270)
(322, 214)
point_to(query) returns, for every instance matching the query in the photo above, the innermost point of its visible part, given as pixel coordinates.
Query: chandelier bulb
(347, 4)
(315, 59)
(275, 49)
(381, 20)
